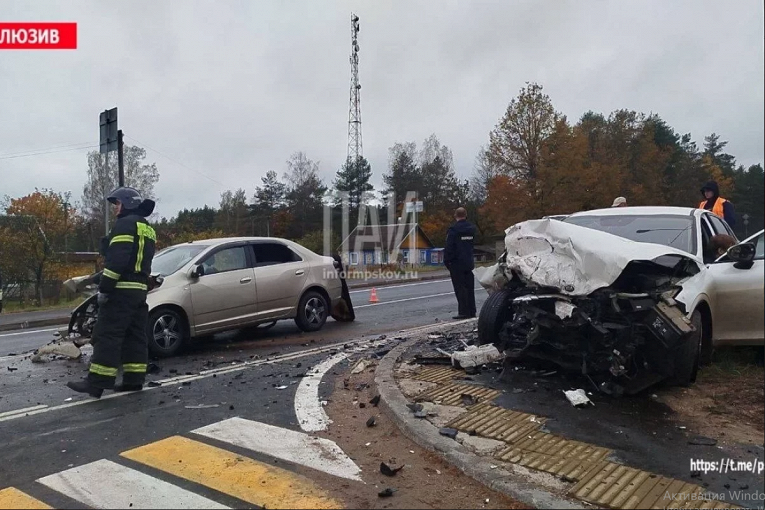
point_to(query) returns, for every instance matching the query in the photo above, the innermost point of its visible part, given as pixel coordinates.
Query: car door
(224, 296)
(280, 277)
(738, 300)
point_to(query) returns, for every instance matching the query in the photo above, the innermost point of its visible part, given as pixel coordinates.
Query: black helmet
(130, 198)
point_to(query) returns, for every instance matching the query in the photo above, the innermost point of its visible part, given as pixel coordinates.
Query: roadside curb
(427, 436)
(60, 321)
(365, 285)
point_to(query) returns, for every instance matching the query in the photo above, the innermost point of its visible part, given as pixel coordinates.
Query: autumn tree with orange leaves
(32, 232)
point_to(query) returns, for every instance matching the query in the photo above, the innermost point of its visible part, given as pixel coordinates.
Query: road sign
(414, 207)
(108, 124)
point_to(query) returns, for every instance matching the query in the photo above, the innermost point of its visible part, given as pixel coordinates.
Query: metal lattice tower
(355, 148)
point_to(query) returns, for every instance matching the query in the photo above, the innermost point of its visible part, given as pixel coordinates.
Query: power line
(60, 146)
(176, 161)
(40, 152)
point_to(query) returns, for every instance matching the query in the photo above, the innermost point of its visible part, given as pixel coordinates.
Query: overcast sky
(220, 92)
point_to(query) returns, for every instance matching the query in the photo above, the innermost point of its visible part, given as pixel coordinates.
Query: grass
(16, 307)
(737, 361)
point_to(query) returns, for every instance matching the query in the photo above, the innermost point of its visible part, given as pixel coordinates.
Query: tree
(439, 182)
(515, 144)
(101, 180)
(34, 229)
(305, 191)
(403, 175)
(353, 178)
(483, 173)
(747, 199)
(232, 216)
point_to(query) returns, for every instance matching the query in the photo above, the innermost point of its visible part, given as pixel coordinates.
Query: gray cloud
(231, 89)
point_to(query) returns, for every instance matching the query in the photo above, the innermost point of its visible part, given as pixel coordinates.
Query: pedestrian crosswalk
(188, 472)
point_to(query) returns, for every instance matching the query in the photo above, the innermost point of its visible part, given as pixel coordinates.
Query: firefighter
(119, 336)
(458, 259)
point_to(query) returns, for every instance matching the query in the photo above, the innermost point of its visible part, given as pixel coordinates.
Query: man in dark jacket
(119, 337)
(719, 206)
(458, 259)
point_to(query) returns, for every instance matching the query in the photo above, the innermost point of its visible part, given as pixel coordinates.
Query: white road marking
(242, 366)
(22, 411)
(310, 413)
(106, 484)
(382, 287)
(29, 332)
(297, 447)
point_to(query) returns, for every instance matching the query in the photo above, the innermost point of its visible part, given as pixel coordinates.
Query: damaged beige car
(625, 297)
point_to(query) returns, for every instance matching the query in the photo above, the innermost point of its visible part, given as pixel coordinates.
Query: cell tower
(355, 149)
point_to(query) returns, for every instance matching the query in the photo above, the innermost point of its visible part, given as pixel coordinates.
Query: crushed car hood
(578, 260)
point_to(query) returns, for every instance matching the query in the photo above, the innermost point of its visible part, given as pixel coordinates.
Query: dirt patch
(426, 481)
(727, 402)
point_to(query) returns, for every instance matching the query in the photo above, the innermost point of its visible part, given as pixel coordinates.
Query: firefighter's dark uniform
(119, 337)
(458, 259)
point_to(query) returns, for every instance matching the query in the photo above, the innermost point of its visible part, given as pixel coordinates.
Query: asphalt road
(405, 305)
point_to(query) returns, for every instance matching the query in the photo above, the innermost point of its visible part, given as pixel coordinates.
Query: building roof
(381, 237)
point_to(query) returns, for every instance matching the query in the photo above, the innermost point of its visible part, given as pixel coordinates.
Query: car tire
(312, 311)
(494, 313)
(687, 355)
(167, 332)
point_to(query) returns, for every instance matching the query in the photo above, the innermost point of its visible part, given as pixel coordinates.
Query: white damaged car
(626, 296)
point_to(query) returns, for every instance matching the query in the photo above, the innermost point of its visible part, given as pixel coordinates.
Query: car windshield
(670, 230)
(171, 259)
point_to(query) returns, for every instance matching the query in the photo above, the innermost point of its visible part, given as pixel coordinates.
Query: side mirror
(198, 271)
(743, 252)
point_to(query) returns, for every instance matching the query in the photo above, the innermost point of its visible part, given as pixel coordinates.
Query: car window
(228, 259)
(759, 254)
(668, 230)
(268, 254)
(171, 259)
(719, 225)
(706, 236)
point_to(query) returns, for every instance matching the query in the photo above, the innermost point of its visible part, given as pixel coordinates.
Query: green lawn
(29, 306)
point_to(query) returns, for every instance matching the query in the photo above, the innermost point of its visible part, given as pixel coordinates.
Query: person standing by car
(718, 205)
(458, 259)
(119, 336)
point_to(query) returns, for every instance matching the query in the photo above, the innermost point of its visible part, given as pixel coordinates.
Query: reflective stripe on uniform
(102, 370)
(144, 231)
(138, 368)
(111, 274)
(121, 239)
(131, 285)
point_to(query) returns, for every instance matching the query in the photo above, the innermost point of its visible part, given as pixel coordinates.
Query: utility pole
(66, 232)
(106, 201)
(120, 158)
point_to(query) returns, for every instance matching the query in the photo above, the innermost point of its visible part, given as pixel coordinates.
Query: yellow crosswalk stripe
(243, 478)
(12, 498)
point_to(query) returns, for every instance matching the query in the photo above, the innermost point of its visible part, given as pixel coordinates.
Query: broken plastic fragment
(577, 397)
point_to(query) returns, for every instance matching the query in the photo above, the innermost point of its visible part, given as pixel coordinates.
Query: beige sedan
(223, 284)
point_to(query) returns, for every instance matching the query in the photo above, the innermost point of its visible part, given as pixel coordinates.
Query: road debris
(448, 432)
(281, 387)
(702, 441)
(371, 421)
(474, 356)
(153, 384)
(577, 397)
(360, 366)
(468, 399)
(386, 493)
(56, 350)
(375, 400)
(389, 471)
(202, 406)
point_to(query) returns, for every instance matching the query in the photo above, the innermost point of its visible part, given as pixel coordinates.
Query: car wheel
(687, 355)
(167, 332)
(312, 311)
(494, 313)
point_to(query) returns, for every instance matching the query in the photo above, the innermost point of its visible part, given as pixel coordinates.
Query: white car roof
(640, 211)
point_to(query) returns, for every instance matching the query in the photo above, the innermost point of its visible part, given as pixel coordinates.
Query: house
(380, 244)
(485, 253)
